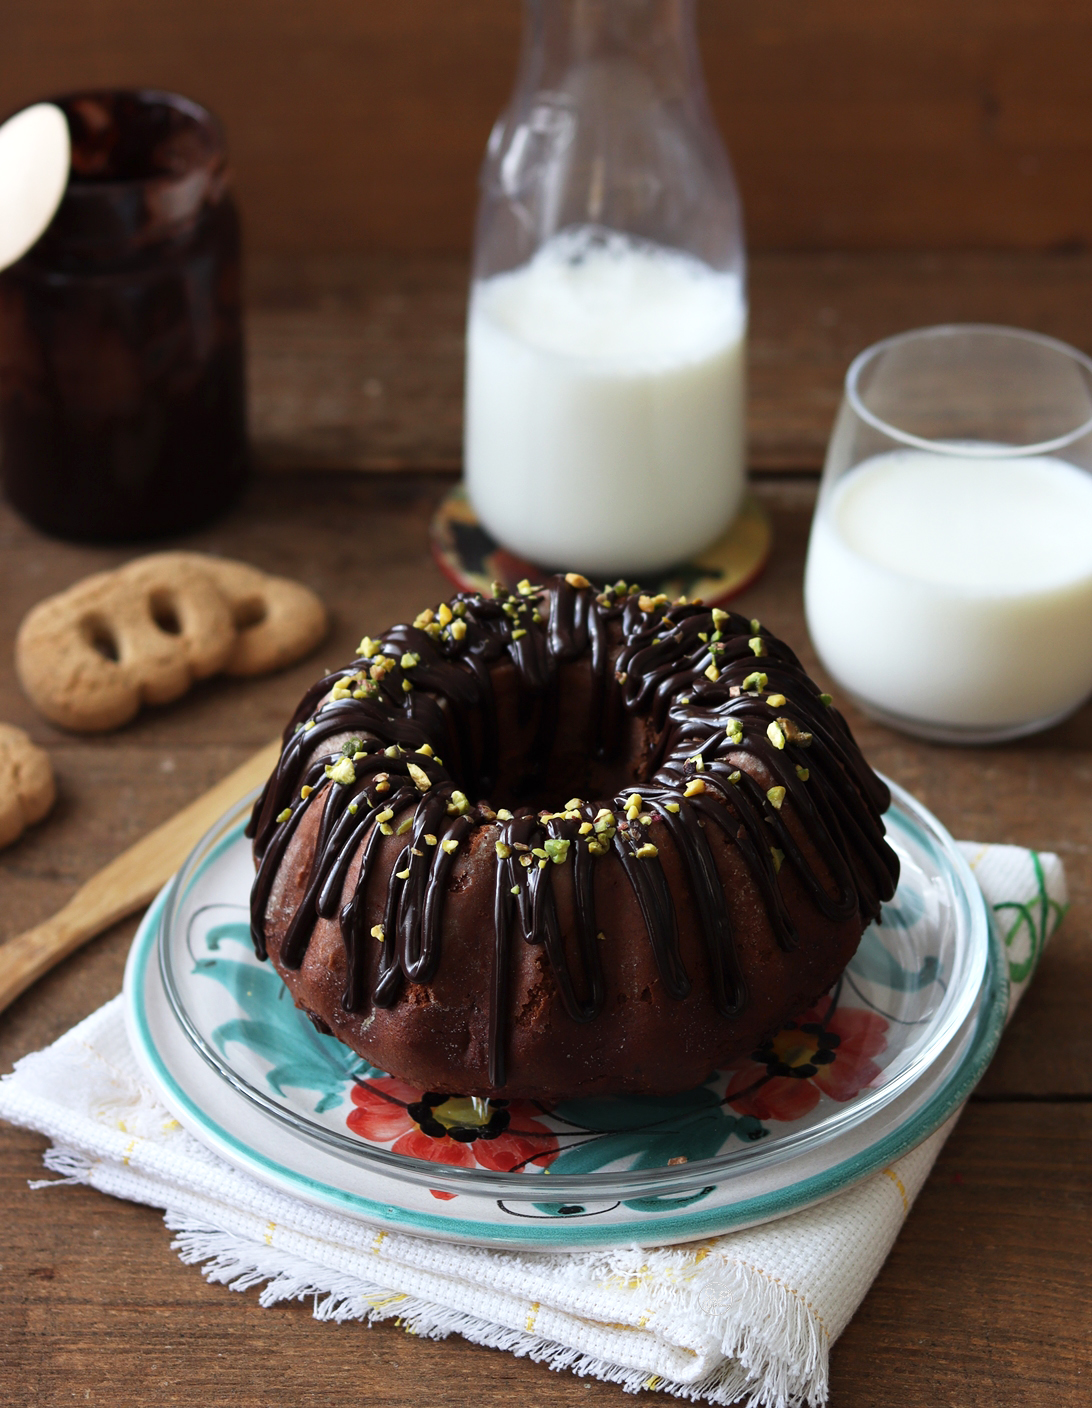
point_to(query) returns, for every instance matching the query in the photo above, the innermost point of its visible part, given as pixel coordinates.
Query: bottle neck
(658, 37)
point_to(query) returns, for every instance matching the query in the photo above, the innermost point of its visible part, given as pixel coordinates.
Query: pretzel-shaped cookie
(90, 657)
(26, 783)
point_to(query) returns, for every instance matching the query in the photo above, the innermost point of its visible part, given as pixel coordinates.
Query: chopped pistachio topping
(774, 734)
(283, 816)
(650, 603)
(382, 785)
(633, 800)
(734, 729)
(585, 828)
(620, 676)
(802, 773)
(518, 635)
(693, 787)
(392, 752)
(777, 857)
(430, 839)
(826, 699)
(444, 614)
(405, 826)
(646, 852)
(504, 814)
(734, 777)
(385, 815)
(671, 806)
(368, 647)
(698, 761)
(557, 848)
(342, 771)
(458, 804)
(775, 796)
(353, 808)
(525, 860)
(419, 776)
(459, 609)
(598, 848)
(403, 874)
(757, 680)
(514, 890)
(756, 625)
(426, 749)
(525, 587)
(574, 802)
(386, 828)
(776, 701)
(503, 849)
(378, 933)
(407, 686)
(712, 673)
(703, 636)
(758, 645)
(458, 630)
(309, 725)
(425, 618)
(450, 845)
(305, 792)
(574, 579)
(719, 617)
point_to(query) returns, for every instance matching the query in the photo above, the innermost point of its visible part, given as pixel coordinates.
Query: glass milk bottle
(605, 343)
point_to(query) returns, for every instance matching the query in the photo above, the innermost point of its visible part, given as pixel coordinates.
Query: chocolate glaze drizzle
(729, 706)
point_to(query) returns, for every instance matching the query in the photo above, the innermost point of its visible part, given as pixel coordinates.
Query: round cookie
(27, 791)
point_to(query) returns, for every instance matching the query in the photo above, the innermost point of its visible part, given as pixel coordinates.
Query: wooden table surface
(985, 1299)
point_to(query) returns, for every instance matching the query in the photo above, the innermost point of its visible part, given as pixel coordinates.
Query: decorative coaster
(473, 560)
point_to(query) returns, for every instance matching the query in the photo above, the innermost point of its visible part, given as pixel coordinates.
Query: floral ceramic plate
(861, 1077)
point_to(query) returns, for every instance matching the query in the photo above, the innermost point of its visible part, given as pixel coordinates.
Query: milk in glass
(954, 591)
(605, 404)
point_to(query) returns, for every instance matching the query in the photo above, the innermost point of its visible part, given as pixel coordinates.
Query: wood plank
(356, 363)
(361, 126)
(983, 1301)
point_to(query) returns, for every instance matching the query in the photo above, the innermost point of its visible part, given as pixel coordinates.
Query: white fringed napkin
(750, 1314)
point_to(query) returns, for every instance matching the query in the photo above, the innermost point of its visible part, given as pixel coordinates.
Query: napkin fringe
(763, 1375)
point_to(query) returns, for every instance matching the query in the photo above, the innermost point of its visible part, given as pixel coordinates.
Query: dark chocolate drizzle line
(424, 692)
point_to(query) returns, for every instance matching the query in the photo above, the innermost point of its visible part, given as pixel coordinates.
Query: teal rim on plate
(975, 1015)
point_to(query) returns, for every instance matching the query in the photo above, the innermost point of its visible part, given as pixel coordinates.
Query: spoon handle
(127, 883)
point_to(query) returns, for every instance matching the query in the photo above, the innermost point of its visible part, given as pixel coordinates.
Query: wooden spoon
(126, 884)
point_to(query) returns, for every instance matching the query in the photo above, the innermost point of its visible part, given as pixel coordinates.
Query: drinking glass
(948, 586)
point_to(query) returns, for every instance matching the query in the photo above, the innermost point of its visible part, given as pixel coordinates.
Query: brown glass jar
(122, 394)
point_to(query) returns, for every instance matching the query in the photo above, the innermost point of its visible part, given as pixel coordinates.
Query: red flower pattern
(388, 1109)
(821, 1053)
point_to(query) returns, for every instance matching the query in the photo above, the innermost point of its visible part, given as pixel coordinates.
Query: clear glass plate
(911, 1025)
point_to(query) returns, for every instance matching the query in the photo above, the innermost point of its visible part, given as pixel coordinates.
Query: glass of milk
(604, 428)
(948, 586)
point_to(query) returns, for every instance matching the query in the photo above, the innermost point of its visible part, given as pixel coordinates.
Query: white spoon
(34, 159)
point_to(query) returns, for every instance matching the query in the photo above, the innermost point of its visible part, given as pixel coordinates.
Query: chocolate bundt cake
(566, 842)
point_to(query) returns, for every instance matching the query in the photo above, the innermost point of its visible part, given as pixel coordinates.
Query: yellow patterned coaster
(473, 560)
